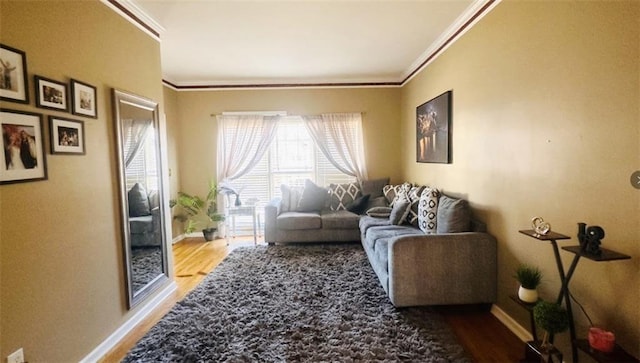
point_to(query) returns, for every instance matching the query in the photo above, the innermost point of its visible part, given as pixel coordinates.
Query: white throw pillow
(428, 210)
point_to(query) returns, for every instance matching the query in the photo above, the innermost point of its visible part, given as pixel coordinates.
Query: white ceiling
(268, 42)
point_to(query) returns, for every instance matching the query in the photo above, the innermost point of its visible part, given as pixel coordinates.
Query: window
(292, 158)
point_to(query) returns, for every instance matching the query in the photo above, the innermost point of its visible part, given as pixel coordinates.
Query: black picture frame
(84, 101)
(14, 85)
(66, 136)
(433, 130)
(23, 158)
(51, 94)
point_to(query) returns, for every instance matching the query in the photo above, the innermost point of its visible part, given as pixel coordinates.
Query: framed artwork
(83, 99)
(51, 94)
(13, 75)
(67, 136)
(433, 130)
(23, 158)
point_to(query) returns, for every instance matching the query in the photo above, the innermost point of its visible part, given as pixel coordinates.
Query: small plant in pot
(200, 212)
(529, 278)
(551, 317)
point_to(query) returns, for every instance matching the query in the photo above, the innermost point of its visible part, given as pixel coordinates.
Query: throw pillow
(313, 197)
(414, 197)
(427, 210)
(379, 212)
(341, 195)
(358, 206)
(399, 211)
(138, 201)
(453, 215)
(290, 198)
(373, 187)
(390, 191)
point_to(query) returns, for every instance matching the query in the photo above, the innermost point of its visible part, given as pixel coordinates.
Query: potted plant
(529, 278)
(200, 212)
(551, 317)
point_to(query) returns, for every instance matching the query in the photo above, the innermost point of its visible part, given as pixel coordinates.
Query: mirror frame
(135, 297)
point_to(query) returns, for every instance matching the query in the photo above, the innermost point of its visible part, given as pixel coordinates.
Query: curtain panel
(340, 139)
(134, 134)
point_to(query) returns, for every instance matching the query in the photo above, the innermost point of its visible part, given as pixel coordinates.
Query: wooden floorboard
(484, 337)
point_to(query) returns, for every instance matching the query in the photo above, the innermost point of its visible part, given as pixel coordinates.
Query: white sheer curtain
(342, 134)
(242, 141)
(134, 133)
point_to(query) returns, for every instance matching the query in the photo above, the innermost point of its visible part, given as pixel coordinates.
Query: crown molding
(136, 16)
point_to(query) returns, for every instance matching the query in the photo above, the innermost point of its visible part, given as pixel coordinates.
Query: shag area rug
(319, 303)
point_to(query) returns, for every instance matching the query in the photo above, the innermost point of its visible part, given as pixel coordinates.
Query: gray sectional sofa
(425, 250)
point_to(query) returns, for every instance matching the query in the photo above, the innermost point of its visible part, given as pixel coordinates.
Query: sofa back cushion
(453, 215)
(138, 201)
(373, 187)
(313, 198)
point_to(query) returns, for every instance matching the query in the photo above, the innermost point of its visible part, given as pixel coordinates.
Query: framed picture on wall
(433, 130)
(13, 77)
(51, 94)
(83, 99)
(23, 144)
(67, 136)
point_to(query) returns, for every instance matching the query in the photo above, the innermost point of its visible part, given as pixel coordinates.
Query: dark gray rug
(319, 303)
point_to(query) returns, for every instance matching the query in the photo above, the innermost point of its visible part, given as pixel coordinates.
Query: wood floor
(482, 335)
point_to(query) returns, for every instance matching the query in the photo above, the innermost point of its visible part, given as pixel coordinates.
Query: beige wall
(546, 123)
(173, 137)
(62, 289)
(197, 157)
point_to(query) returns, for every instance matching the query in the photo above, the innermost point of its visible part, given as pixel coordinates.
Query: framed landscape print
(433, 130)
(13, 75)
(23, 158)
(83, 99)
(51, 94)
(67, 136)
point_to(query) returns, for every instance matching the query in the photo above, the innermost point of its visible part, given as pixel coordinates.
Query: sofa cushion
(138, 201)
(366, 222)
(453, 216)
(373, 187)
(391, 191)
(400, 211)
(299, 220)
(359, 205)
(427, 210)
(341, 219)
(290, 197)
(340, 195)
(142, 224)
(376, 233)
(313, 198)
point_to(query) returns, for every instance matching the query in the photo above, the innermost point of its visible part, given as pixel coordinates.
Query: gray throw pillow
(313, 198)
(359, 205)
(453, 215)
(379, 212)
(290, 198)
(138, 201)
(399, 211)
(373, 187)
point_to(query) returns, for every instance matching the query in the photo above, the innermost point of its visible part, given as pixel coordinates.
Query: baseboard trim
(178, 238)
(109, 343)
(521, 332)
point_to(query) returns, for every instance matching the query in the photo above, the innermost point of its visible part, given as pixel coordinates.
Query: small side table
(243, 210)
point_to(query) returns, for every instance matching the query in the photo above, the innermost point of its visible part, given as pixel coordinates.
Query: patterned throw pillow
(414, 199)
(341, 195)
(428, 210)
(390, 191)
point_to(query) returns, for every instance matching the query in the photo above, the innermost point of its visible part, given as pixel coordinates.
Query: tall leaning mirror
(140, 182)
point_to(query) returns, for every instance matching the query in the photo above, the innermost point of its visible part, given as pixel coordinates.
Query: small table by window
(243, 210)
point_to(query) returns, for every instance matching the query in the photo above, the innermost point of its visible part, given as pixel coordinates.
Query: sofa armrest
(443, 269)
(271, 212)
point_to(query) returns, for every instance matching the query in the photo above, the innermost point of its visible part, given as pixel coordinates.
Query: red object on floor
(601, 339)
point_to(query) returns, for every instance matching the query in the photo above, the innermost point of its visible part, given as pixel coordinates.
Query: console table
(564, 294)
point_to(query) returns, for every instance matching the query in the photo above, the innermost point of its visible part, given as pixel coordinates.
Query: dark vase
(209, 234)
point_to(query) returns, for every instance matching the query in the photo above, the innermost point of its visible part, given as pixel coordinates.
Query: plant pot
(209, 234)
(528, 295)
